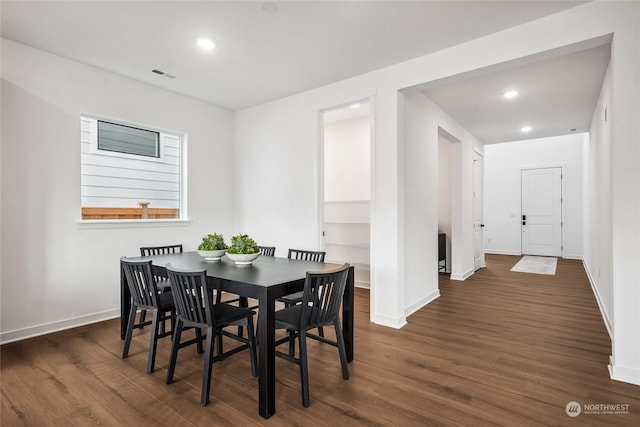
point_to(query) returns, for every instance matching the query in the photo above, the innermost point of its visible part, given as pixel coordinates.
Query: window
(127, 139)
(130, 172)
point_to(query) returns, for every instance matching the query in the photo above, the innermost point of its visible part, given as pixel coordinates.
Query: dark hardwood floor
(501, 348)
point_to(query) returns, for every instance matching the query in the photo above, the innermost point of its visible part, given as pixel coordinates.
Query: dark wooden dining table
(267, 279)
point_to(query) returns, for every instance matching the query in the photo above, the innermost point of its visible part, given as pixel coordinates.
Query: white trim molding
(603, 310)
(623, 373)
(463, 276)
(390, 322)
(61, 325)
(421, 303)
(503, 252)
(132, 223)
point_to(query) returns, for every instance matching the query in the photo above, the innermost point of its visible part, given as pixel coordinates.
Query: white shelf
(349, 245)
(344, 222)
(346, 236)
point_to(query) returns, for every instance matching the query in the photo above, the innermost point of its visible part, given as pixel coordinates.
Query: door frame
(320, 195)
(563, 227)
(482, 263)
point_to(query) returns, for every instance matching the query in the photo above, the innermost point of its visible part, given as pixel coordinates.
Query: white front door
(478, 252)
(542, 211)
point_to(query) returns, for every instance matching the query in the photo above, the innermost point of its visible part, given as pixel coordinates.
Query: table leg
(266, 354)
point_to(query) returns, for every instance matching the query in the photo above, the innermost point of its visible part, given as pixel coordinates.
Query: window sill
(132, 223)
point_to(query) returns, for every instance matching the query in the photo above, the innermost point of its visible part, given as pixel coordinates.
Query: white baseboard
(421, 303)
(622, 373)
(47, 328)
(391, 322)
(603, 310)
(463, 276)
(572, 256)
(503, 252)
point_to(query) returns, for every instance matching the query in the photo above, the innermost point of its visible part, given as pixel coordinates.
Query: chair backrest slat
(267, 250)
(322, 295)
(160, 250)
(141, 282)
(317, 256)
(193, 302)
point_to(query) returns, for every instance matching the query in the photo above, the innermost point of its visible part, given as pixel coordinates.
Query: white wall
(502, 190)
(55, 274)
(347, 159)
(285, 133)
(423, 121)
(598, 221)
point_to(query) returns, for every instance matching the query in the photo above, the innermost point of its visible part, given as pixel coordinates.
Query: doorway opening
(346, 184)
(449, 152)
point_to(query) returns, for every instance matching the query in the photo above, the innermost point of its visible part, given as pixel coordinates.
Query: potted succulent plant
(212, 247)
(243, 250)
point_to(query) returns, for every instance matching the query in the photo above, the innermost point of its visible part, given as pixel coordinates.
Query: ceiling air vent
(162, 73)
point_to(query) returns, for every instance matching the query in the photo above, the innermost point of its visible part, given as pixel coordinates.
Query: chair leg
(304, 368)
(175, 346)
(292, 343)
(208, 367)
(143, 316)
(341, 349)
(252, 347)
(199, 348)
(129, 333)
(220, 347)
(153, 341)
(242, 302)
(162, 325)
(321, 331)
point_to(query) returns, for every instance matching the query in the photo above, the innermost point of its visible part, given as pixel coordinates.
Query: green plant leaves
(212, 242)
(243, 244)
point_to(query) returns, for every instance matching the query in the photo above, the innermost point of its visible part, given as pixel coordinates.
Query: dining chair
(321, 299)
(160, 250)
(267, 250)
(296, 297)
(161, 281)
(145, 296)
(316, 256)
(195, 307)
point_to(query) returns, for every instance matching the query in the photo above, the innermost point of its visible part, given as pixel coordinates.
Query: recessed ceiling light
(354, 105)
(206, 44)
(526, 129)
(510, 94)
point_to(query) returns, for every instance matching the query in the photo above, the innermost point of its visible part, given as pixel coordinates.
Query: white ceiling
(263, 56)
(557, 96)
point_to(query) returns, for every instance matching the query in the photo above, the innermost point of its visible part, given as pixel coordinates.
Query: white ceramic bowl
(243, 259)
(212, 255)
